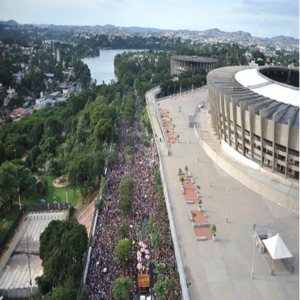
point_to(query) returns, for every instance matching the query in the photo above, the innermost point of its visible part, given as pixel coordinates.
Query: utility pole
(210, 172)
(30, 282)
(253, 257)
(227, 204)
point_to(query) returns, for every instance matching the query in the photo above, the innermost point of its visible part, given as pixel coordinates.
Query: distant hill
(209, 33)
(9, 23)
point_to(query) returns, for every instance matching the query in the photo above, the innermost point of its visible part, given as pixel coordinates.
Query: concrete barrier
(180, 267)
(199, 225)
(189, 202)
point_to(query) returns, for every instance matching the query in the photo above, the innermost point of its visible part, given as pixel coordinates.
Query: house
(11, 93)
(68, 88)
(19, 113)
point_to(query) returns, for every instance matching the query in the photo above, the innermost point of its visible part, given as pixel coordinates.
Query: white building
(57, 55)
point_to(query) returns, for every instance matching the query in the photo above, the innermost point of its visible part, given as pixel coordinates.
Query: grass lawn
(52, 192)
(9, 217)
(34, 197)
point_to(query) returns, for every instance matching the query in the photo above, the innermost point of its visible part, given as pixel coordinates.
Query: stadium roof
(194, 58)
(252, 79)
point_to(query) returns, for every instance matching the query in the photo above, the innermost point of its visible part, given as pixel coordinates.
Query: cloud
(269, 7)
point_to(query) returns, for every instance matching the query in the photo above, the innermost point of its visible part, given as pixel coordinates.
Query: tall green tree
(122, 287)
(62, 247)
(123, 250)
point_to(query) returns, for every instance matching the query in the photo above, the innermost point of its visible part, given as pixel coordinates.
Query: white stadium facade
(256, 111)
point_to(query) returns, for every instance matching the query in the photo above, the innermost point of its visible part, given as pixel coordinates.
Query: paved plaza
(221, 269)
(15, 277)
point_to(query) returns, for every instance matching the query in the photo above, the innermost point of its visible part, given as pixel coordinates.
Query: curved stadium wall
(256, 111)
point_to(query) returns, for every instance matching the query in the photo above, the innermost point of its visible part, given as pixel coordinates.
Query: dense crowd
(104, 267)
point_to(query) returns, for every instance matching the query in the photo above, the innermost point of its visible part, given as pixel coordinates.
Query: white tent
(277, 248)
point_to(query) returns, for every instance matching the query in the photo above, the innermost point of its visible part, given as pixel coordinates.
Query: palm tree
(186, 169)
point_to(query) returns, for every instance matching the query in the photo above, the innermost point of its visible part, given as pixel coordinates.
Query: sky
(261, 18)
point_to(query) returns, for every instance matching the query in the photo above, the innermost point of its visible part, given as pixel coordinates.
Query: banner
(143, 280)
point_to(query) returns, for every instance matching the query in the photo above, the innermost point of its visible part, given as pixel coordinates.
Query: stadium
(256, 111)
(182, 63)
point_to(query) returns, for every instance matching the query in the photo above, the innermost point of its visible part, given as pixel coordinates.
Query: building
(11, 93)
(68, 88)
(256, 111)
(182, 63)
(57, 55)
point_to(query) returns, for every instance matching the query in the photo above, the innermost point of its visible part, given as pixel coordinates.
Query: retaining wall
(180, 266)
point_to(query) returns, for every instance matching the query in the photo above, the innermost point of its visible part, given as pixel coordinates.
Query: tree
(124, 231)
(125, 203)
(62, 247)
(40, 161)
(122, 287)
(54, 168)
(103, 129)
(8, 184)
(163, 288)
(32, 156)
(49, 146)
(123, 250)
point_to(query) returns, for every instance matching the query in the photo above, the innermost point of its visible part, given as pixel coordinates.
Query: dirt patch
(57, 181)
(5, 225)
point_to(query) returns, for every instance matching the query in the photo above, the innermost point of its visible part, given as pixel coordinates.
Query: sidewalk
(222, 269)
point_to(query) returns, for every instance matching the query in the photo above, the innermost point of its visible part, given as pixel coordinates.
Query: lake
(102, 67)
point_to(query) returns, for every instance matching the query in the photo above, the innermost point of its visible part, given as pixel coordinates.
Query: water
(102, 67)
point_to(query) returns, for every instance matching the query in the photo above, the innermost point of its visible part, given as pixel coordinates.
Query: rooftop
(252, 79)
(194, 58)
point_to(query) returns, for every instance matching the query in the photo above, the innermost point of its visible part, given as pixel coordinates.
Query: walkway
(221, 269)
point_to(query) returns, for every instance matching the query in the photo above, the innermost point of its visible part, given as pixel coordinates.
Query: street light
(174, 89)
(210, 172)
(20, 207)
(253, 257)
(227, 204)
(180, 89)
(168, 90)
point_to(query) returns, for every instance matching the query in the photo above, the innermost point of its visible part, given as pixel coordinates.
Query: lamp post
(253, 257)
(227, 204)
(210, 172)
(174, 89)
(28, 256)
(20, 207)
(180, 89)
(168, 90)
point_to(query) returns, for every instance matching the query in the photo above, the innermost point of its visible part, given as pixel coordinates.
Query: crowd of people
(104, 267)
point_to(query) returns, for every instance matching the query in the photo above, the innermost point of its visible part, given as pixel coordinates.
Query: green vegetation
(57, 194)
(122, 287)
(9, 218)
(126, 189)
(123, 250)
(62, 247)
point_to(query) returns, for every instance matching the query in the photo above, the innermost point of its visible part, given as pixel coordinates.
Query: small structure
(277, 249)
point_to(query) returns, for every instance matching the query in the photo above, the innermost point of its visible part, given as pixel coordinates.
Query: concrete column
(290, 122)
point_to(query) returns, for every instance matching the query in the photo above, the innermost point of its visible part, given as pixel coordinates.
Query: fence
(27, 208)
(87, 257)
(183, 283)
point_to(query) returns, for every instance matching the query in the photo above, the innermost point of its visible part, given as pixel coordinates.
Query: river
(102, 67)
